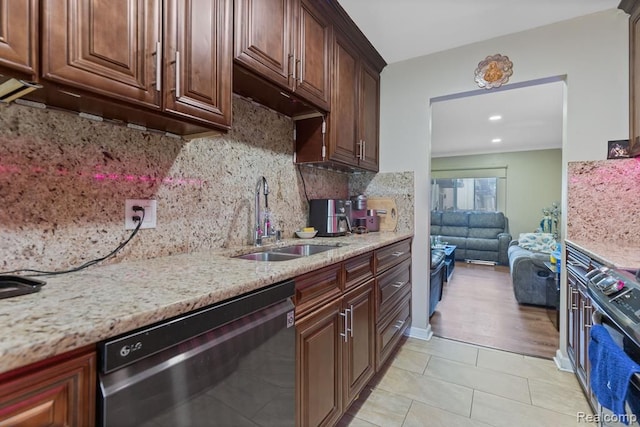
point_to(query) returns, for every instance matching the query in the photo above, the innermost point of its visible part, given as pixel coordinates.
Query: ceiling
(532, 116)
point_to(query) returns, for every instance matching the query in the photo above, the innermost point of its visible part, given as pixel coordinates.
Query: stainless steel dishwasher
(229, 364)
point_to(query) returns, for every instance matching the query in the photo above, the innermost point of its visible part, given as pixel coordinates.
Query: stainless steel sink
(287, 253)
(303, 250)
(268, 256)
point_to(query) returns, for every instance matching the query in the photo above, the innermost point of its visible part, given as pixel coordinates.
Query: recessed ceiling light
(496, 140)
(496, 117)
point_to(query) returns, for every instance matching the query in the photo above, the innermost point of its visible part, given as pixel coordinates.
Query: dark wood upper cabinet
(171, 57)
(632, 7)
(369, 119)
(197, 59)
(349, 139)
(287, 43)
(313, 55)
(263, 38)
(110, 48)
(19, 38)
(343, 118)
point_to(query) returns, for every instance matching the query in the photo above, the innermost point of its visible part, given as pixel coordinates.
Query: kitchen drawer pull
(397, 254)
(399, 324)
(399, 284)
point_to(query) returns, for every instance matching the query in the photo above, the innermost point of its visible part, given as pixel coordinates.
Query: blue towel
(611, 371)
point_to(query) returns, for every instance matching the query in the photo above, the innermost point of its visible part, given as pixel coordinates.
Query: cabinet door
(62, 394)
(313, 55)
(319, 366)
(262, 38)
(19, 36)
(344, 103)
(197, 60)
(369, 117)
(359, 353)
(106, 47)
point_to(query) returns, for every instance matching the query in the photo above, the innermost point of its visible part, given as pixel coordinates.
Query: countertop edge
(44, 342)
(609, 253)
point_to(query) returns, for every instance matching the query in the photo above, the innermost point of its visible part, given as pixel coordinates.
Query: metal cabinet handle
(398, 284)
(290, 66)
(351, 312)
(158, 65)
(399, 324)
(574, 306)
(345, 335)
(397, 254)
(177, 74)
(298, 71)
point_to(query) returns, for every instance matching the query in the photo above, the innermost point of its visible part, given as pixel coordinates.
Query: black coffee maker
(331, 217)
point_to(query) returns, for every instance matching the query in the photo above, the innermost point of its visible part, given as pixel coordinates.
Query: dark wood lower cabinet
(319, 366)
(341, 342)
(335, 356)
(60, 392)
(359, 346)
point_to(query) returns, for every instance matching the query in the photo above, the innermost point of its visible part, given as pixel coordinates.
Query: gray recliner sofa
(478, 235)
(533, 282)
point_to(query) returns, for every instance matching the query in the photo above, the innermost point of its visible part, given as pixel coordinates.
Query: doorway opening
(512, 137)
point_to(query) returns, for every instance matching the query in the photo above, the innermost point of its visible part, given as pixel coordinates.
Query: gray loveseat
(480, 236)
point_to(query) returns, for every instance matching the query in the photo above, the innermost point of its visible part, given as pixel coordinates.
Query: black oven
(615, 297)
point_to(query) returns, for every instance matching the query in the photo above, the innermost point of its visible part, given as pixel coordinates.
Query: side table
(449, 259)
(553, 295)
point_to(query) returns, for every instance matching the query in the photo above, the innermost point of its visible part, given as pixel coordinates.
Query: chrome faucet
(263, 225)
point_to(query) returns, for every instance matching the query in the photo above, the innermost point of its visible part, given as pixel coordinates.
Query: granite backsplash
(64, 180)
(603, 203)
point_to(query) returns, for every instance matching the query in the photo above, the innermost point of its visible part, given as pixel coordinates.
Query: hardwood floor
(478, 306)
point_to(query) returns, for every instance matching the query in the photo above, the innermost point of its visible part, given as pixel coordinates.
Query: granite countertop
(610, 253)
(79, 309)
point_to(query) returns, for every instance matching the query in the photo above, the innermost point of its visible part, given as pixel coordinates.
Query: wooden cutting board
(388, 221)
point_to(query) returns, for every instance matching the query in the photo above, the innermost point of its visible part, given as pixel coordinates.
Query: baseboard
(480, 262)
(419, 333)
(563, 363)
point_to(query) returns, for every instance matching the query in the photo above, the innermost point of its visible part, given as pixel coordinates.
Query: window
(479, 194)
(482, 188)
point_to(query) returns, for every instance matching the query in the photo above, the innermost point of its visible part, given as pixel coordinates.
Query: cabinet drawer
(391, 286)
(316, 287)
(390, 330)
(358, 270)
(393, 254)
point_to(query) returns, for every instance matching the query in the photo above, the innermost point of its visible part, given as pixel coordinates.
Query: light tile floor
(445, 383)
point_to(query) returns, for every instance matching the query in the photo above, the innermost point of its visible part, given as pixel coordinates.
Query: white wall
(591, 52)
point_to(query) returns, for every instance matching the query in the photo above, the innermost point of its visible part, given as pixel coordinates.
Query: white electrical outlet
(149, 206)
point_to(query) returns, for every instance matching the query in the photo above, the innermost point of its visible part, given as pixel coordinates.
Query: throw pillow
(537, 242)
